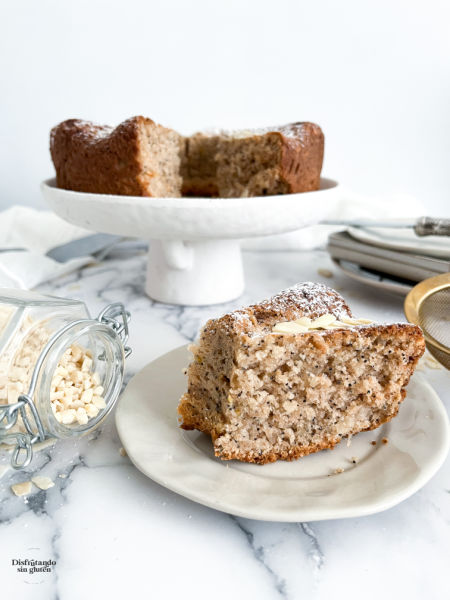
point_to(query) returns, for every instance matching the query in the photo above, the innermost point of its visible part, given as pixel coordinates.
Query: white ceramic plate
(402, 239)
(382, 282)
(307, 489)
(192, 218)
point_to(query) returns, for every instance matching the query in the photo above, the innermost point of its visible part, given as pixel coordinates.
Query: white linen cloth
(40, 231)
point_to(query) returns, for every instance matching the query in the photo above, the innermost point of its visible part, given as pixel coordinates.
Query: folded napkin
(39, 231)
(29, 234)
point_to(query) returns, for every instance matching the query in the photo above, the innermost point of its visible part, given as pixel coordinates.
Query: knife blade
(86, 246)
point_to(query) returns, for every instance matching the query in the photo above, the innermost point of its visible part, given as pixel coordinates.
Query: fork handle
(429, 226)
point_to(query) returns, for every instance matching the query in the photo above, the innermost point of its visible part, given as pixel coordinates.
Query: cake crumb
(385, 440)
(373, 442)
(62, 475)
(184, 371)
(43, 483)
(123, 452)
(349, 441)
(338, 470)
(354, 459)
(21, 489)
(325, 273)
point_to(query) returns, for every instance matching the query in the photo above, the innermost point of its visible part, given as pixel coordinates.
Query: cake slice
(137, 158)
(254, 162)
(295, 374)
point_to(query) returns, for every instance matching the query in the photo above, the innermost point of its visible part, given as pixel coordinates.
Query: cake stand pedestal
(194, 253)
(198, 273)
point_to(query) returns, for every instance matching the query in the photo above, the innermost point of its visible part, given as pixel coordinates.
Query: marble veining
(316, 551)
(113, 532)
(259, 552)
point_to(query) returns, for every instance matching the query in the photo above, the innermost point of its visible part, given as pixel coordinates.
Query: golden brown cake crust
(302, 156)
(98, 159)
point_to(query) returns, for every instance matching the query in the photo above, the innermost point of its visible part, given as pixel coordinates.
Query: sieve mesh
(434, 318)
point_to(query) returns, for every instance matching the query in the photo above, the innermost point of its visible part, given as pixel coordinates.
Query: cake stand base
(194, 273)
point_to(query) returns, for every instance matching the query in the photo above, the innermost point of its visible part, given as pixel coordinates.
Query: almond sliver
(322, 321)
(289, 327)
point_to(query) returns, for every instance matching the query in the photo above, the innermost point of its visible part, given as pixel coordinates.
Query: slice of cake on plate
(295, 374)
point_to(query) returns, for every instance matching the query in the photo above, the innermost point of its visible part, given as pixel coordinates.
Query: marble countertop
(112, 532)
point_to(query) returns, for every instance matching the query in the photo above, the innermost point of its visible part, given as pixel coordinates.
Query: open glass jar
(61, 371)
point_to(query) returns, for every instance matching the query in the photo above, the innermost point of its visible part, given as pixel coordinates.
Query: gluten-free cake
(142, 158)
(294, 375)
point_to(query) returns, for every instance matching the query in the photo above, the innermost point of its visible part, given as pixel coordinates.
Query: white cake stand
(194, 255)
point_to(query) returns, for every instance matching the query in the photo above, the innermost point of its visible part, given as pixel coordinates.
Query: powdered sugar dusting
(308, 298)
(297, 131)
(239, 314)
(92, 130)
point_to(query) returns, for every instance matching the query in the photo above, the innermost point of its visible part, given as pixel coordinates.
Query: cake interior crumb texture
(264, 396)
(160, 151)
(250, 167)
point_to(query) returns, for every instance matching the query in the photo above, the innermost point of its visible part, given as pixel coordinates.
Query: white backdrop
(374, 75)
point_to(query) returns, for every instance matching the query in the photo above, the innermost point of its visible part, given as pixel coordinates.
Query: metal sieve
(428, 305)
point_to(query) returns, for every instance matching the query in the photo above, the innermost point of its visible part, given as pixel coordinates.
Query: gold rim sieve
(428, 305)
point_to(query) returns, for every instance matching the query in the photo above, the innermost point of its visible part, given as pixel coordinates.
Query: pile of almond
(76, 394)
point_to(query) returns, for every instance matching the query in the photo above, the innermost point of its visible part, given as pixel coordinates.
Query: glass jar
(61, 371)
